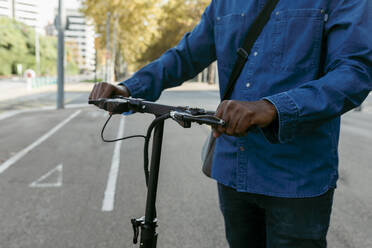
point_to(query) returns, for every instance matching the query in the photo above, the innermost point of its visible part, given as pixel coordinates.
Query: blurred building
(6, 8)
(82, 32)
(73, 52)
(79, 39)
(26, 11)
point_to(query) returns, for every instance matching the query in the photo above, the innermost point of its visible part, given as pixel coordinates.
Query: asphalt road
(54, 195)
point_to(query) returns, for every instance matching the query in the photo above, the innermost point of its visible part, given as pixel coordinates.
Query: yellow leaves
(146, 28)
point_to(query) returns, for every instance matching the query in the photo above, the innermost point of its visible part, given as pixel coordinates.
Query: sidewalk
(15, 98)
(13, 90)
(195, 86)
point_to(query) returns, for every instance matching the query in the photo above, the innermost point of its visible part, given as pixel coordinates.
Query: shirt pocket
(228, 35)
(297, 39)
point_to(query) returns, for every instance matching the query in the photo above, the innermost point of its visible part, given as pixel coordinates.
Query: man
(276, 161)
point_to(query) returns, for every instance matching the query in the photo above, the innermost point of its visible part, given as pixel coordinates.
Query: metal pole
(107, 71)
(61, 56)
(13, 10)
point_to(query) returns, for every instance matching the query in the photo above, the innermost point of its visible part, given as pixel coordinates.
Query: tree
(146, 28)
(14, 46)
(136, 22)
(176, 18)
(17, 46)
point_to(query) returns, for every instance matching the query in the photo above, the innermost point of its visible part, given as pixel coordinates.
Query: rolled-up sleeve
(193, 53)
(347, 78)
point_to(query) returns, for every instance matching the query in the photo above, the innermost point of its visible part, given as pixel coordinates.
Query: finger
(229, 115)
(242, 127)
(219, 114)
(232, 124)
(96, 91)
(216, 134)
(91, 93)
(107, 91)
(220, 110)
(221, 129)
(101, 89)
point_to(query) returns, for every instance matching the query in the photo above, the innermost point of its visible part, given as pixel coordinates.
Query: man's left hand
(240, 116)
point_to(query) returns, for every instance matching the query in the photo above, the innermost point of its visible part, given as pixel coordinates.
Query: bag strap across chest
(243, 52)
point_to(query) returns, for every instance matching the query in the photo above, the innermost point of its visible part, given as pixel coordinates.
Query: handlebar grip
(111, 105)
(95, 102)
(208, 120)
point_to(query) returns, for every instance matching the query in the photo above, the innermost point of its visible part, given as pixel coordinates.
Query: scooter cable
(115, 140)
(147, 138)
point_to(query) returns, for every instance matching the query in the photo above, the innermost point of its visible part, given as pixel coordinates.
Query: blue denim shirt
(313, 61)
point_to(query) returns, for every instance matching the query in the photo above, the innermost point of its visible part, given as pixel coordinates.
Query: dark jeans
(257, 221)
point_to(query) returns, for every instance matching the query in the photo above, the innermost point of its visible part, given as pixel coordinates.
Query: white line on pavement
(40, 184)
(109, 198)
(8, 114)
(4, 166)
(12, 113)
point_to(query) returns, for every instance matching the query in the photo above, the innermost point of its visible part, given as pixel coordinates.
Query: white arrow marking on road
(109, 199)
(4, 166)
(39, 182)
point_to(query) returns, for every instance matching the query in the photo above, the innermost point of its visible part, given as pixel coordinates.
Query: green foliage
(48, 55)
(72, 68)
(17, 46)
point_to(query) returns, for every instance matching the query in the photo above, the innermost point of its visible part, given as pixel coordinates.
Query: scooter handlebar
(183, 115)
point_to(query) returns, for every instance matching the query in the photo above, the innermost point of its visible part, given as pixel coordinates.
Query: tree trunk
(199, 77)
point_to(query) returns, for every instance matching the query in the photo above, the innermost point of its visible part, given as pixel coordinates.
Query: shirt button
(243, 14)
(277, 13)
(218, 18)
(248, 85)
(242, 149)
(255, 54)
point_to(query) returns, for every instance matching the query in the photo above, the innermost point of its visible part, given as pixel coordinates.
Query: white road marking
(4, 166)
(109, 198)
(8, 114)
(39, 182)
(77, 105)
(12, 113)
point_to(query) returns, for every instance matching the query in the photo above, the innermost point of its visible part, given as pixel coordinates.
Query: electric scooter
(145, 227)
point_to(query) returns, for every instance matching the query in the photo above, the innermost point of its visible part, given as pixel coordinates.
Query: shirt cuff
(135, 88)
(287, 119)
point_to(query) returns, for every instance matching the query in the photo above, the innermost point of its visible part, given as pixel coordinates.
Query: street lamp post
(61, 55)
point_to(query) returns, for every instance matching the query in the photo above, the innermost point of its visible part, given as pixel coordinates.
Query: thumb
(216, 134)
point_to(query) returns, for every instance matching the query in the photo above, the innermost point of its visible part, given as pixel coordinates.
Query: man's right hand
(106, 90)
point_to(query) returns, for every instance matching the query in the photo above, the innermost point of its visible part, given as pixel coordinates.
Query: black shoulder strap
(251, 37)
